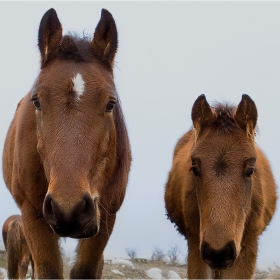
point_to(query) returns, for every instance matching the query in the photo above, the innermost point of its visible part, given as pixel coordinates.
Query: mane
(225, 117)
(73, 47)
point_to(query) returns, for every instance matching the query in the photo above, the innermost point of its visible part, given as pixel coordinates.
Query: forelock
(73, 47)
(225, 117)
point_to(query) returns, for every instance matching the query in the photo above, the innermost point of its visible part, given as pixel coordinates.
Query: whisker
(105, 209)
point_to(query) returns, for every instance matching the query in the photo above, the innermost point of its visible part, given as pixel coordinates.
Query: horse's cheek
(191, 205)
(42, 153)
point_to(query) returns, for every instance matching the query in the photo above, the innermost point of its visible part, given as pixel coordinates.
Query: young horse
(18, 254)
(67, 154)
(220, 192)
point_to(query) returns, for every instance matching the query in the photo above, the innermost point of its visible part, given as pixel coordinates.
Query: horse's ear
(50, 34)
(105, 40)
(246, 115)
(202, 114)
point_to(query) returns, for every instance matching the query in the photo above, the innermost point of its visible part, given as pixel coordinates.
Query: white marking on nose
(79, 85)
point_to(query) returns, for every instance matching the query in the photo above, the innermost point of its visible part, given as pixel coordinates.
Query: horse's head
(223, 165)
(75, 103)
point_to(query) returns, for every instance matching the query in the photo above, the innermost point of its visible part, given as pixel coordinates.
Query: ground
(141, 265)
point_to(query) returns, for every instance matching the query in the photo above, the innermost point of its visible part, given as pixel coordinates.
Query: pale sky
(169, 53)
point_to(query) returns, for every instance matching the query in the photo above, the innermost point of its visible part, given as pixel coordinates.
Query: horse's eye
(249, 172)
(36, 103)
(195, 171)
(110, 106)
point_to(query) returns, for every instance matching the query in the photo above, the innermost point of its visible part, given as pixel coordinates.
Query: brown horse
(67, 154)
(220, 192)
(18, 254)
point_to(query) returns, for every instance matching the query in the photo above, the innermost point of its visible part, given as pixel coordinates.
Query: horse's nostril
(205, 252)
(88, 203)
(47, 204)
(230, 253)
(48, 210)
(87, 210)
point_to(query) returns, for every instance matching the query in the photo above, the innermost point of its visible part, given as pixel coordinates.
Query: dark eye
(249, 172)
(36, 103)
(110, 106)
(195, 171)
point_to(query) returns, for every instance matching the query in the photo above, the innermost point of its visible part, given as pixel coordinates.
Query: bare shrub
(158, 254)
(173, 254)
(131, 253)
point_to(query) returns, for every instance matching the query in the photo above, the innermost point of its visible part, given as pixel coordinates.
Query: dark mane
(73, 47)
(225, 117)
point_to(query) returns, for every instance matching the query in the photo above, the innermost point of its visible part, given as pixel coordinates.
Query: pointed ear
(246, 115)
(105, 40)
(202, 114)
(50, 34)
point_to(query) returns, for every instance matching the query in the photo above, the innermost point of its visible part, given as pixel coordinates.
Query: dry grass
(3, 259)
(268, 274)
(141, 265)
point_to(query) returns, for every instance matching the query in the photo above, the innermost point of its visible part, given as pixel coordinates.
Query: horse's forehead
(67, 70)
(220, 148)
(77, 76)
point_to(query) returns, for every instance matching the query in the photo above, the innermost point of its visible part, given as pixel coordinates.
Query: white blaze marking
(79, 85)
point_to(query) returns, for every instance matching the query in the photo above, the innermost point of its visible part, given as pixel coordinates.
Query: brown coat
(18, 254)
(220, 191)
(67, 154)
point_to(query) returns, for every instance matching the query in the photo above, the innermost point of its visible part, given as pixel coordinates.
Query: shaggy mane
(73, 47)
(225, 117)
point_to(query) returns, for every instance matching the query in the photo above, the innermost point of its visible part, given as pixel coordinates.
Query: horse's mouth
(90, 231)
(78, 233)
(219, 268)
